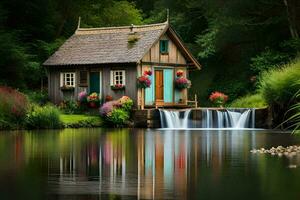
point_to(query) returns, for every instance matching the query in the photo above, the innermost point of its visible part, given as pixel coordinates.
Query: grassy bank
(80, 120)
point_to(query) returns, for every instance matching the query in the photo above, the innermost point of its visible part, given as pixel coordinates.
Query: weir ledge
(150, 118)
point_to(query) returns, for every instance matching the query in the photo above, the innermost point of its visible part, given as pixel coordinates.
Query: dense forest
(233, 40)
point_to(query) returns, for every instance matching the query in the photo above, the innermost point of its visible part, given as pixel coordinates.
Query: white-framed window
(67, 79)
(117, 77)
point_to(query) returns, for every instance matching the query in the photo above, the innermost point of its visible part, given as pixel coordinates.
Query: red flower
(143, 81)
(218, 98)
(179, 73)
(181, 83)
(148, 73)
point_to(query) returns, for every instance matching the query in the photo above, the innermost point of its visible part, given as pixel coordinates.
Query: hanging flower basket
(182, 83)
(118, 87)
(143, 82)
(67, 88)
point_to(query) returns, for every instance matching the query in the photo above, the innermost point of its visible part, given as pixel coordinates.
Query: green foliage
(40, 98)
(267, 60)
(249, 101)
(207, 44)
(43, 117)
(127, 105)
(278, 86)
(71, 107)
(118, 117)
(12, 60)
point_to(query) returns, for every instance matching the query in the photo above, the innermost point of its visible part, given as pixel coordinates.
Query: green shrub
(278, 87)
(249, 101)
(127, 105)
(71, 107)
(46, 117)
(117, 113)
(40, 98)
(13, 108)
(267, 60)
(118, 117)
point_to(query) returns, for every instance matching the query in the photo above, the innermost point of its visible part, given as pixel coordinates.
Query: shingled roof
(107, 45)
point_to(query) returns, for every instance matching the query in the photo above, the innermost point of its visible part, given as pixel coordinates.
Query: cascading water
(174, 119)
(210, 118)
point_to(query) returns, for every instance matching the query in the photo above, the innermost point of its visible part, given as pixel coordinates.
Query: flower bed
(117, 113)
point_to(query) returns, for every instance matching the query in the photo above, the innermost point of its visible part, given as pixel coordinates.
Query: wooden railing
(195, 102)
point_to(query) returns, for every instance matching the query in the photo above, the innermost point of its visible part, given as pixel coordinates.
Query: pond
(146, 164)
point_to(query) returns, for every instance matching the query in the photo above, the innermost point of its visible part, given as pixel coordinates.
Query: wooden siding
(174, 55)
(54, 91)
(57, 96)
(130, 85)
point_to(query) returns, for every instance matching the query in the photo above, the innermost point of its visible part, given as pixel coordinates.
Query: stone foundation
(150, 118)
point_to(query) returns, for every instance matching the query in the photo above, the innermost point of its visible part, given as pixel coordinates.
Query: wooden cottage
(98, 59)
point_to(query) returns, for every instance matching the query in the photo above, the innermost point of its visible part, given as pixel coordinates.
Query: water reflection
(145, 164)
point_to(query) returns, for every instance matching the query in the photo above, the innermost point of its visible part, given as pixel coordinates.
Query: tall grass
(249, 101)
(46, 117)
(294, 120)
(280, 86)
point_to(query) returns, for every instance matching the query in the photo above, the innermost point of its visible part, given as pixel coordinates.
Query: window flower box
(118, 87)
(67, 88)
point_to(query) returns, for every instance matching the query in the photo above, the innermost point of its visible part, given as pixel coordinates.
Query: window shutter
(166, 46)
(74, 76)
(124, 77)
(83, 78)
(111, 77)
(161, 46)
(61, 79)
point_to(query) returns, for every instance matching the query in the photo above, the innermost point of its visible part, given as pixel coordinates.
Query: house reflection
(135, 162)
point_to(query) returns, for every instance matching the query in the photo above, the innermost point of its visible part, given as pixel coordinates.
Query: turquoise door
(168, 85)
(149, 92)
(168, 88)
(95, 82)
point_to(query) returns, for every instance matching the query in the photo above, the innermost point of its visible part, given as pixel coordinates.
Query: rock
(292, 166)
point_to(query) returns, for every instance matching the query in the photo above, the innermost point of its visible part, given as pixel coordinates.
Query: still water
(146, 164)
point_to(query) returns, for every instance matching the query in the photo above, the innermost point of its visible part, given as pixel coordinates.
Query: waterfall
(210, 118)
(174, 119)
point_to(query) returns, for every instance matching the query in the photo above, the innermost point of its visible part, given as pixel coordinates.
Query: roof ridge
(121, 27)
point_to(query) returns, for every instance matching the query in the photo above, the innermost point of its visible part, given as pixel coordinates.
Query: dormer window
(164, 46)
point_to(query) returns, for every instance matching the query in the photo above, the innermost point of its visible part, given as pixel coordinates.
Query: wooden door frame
(100, 81)
(162, 73)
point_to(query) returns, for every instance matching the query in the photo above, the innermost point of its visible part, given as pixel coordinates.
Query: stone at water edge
(289, 151)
